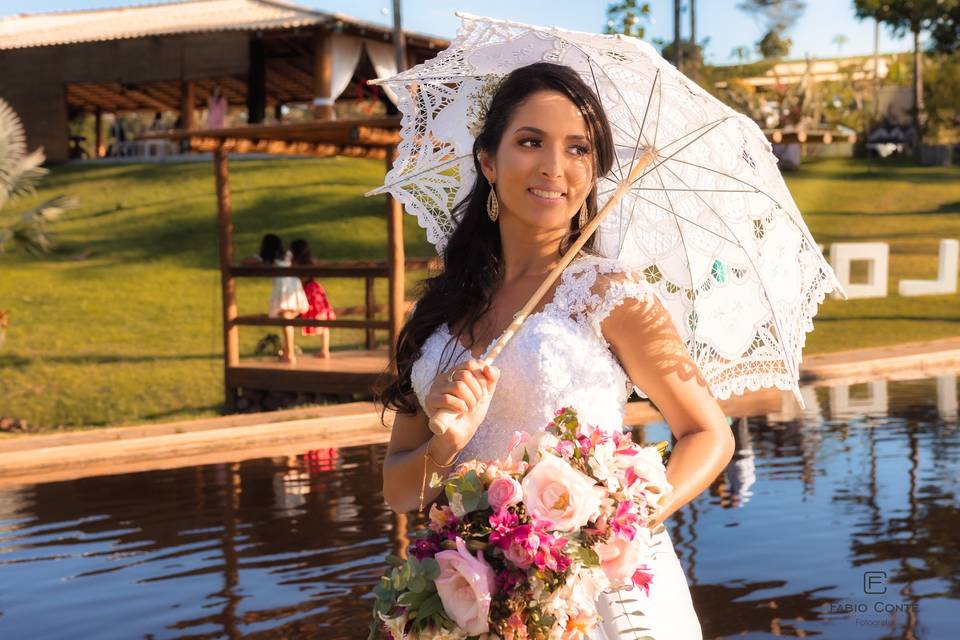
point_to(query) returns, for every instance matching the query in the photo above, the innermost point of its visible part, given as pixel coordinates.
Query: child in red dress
(320, 308)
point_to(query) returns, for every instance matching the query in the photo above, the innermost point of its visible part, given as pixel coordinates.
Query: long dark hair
(472, 260)
(271, 248)
(300, 251)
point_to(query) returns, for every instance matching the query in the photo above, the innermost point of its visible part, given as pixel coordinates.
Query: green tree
(915, 17)
(940, 95)
(19, 173)
(774, 44)
(945, 33)
(627, 17)
(777, 17)
(741, 53)
(840, 40)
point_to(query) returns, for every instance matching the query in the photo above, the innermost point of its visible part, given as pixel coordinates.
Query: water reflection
(863, 480)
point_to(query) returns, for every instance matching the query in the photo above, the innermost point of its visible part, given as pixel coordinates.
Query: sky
(719, 20)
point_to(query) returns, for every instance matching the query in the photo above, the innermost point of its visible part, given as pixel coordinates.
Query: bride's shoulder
(594, 286)
(609, 276)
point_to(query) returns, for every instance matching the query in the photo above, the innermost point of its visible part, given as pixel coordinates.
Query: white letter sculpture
(876, 253)
(946, 281)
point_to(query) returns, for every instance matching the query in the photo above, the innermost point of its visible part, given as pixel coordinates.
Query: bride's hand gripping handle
(458, 401)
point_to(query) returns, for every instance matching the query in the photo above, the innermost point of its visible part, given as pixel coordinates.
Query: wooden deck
(344, 372)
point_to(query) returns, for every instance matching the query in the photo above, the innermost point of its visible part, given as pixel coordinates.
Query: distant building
(894, 101)
(177, 57)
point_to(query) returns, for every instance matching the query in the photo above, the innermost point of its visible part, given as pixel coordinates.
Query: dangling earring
(584, 214)
(493, 205)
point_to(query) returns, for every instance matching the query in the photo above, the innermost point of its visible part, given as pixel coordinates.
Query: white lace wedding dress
(558, 358)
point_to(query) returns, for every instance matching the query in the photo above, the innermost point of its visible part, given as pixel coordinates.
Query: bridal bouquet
(526, 544)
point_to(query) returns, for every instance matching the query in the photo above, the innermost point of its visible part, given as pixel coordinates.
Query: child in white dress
(287, 299)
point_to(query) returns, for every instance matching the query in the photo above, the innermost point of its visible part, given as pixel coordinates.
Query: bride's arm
(643, 337)
(407, 468)
(403, 465)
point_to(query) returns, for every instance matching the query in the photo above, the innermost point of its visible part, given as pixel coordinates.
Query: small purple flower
(424, 548)
(507, 580)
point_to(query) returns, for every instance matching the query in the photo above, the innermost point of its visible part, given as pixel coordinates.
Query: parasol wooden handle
(442, 420)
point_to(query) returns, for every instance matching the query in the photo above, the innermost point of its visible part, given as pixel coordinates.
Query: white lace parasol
(709, 223)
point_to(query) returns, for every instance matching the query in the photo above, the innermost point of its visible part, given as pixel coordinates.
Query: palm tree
(741, 53)
(19, 173)
(840, 40)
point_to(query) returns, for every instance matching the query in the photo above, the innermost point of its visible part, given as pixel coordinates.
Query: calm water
(841, 522)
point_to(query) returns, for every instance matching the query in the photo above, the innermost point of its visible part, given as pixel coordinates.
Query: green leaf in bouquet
(471, 501)
(411, 599)
(383, 591)
(431, 568)
(472, 479)
(429, 607)
(418, 584)
(383, 606)
(394, 561)
(585, 555)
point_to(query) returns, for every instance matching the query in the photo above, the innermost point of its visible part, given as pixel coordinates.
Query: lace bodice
(559, 357)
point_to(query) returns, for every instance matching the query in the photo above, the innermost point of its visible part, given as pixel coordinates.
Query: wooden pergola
(818, 136)
(345, 372)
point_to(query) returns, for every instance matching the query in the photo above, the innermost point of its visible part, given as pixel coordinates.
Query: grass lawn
(122, 323)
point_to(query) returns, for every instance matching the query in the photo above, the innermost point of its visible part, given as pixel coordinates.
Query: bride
(601, 332)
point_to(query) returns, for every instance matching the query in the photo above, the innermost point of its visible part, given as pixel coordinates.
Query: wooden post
(257, 82)
(399, 41)
(97, 132)
(677, 45)
(371, 341)
(231, 333)
(322, 76)
(395, 261)
(187, 103)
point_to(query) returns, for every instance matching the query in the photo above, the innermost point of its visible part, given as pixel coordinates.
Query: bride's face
(543, 168)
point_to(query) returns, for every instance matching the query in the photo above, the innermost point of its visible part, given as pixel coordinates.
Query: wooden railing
(369, 270)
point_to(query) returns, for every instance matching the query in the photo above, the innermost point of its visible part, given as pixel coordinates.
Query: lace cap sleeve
(613, 285)
(604, 284)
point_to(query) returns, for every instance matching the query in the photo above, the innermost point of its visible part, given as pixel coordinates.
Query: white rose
(555, 491)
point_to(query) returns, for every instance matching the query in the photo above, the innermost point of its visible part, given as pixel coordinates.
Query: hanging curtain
(345, 51)
(384, 63)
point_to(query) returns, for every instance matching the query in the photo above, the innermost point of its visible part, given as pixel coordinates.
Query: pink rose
(519, 554)
(465, 585)
(503, 492)
(619, 558)
(555, 491)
